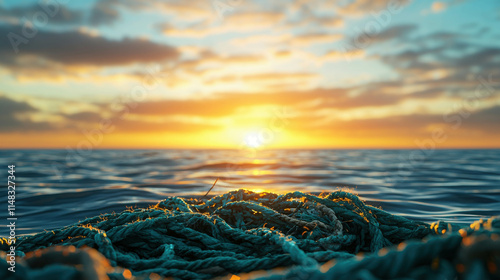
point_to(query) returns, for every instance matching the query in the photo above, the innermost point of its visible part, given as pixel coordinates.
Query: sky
(249, 73)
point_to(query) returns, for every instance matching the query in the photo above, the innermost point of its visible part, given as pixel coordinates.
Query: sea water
(55, 188)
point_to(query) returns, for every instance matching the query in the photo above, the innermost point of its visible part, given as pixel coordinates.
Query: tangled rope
(314, 237)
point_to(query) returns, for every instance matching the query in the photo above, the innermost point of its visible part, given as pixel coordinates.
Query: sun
(253, 140)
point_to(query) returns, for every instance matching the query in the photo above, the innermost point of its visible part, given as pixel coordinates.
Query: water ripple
(451, 185)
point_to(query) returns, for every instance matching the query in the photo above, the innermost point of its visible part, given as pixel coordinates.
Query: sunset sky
(276, 74)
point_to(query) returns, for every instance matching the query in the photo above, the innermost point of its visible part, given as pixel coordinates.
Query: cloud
(79, 48)
(11, 116)
(253, 20)
(406, 129)
(236, 22)
(395, 125)
(484, 120)
(187, 11)
(213, 107)
(362, 7)
(263, 82)
(52, 55)
(135, 126)
(335, 55)
(208, 62)
(307, 39)
(221, 105)
(10, 107)
(394, 32)
(278, 77)
(436, 54)
(15, 118)
(86, 117)
(400, 32)
(262, 39)
(56, 14)
(107, 12)
(331, 22)
(135, 119)
(228, 104)
(485, 57)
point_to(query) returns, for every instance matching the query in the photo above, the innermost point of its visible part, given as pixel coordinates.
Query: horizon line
(259, 149)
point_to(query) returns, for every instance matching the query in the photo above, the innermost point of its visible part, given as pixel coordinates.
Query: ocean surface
(55, 188)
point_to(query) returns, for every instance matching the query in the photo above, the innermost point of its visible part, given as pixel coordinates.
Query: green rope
(314, 237)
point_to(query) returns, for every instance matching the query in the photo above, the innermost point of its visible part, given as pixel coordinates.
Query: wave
(452, 185)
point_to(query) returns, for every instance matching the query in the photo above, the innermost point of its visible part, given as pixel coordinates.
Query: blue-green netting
(332, 236)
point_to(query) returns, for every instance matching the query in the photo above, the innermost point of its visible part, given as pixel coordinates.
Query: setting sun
(253, 140)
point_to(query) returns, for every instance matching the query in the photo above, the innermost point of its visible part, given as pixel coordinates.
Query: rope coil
(242, 231)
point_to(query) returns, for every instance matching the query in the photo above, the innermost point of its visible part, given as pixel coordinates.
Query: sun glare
(252, 140)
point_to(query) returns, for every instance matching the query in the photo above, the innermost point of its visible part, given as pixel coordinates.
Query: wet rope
(314, 237)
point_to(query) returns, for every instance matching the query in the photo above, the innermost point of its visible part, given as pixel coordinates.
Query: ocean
(55, 188)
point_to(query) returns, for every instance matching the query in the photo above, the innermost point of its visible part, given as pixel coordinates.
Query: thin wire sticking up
(211, 187)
